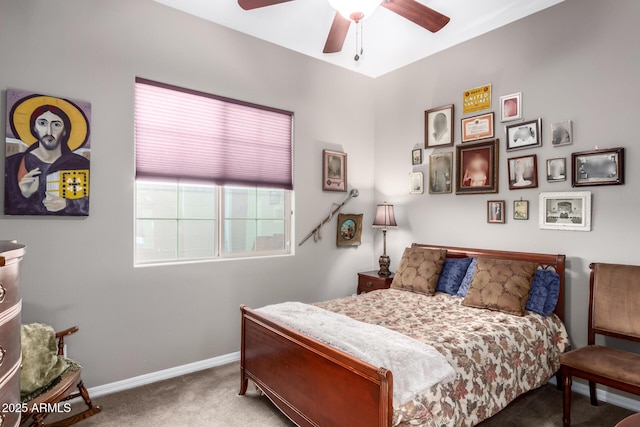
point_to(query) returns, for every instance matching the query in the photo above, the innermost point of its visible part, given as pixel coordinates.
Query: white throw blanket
(415, 366)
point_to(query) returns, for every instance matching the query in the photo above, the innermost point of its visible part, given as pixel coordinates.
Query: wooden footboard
(310, 382)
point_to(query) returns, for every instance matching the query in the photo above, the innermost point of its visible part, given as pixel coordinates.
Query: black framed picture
(438, 124)
(416, 157)
(524, 135)
(597, 167)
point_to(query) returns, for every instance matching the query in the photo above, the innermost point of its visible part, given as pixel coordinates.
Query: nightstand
(370, 281)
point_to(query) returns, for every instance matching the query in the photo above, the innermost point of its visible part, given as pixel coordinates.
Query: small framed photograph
(334, 171)
(598, 167)
(477, 167)
(416, 183)
(511, 107)
(524, 135)
(416, 157)
(477, 127)
(557, 169)
(495, 211)
(520, 209)
(523, 172)
(440, 172)
(349, 230)
(438, 123)
(561, 133)
(567, 210)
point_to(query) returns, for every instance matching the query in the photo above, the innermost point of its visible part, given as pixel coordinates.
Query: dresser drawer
(9, 289)
(10, 399)
(9, 339)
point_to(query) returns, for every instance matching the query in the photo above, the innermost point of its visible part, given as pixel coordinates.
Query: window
(213, 177)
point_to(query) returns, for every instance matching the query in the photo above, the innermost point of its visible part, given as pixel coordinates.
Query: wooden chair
(69, 387)
(613, 311)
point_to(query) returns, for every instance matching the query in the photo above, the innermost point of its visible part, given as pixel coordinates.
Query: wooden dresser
(11, 254)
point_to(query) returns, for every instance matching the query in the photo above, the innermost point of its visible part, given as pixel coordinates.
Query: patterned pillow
(419, 269)
(453, 271)
(468, 277)
(501, 285)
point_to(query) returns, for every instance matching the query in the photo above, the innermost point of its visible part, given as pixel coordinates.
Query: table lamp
(385, 219)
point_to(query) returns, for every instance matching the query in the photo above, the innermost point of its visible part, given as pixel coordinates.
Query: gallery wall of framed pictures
(470, 161)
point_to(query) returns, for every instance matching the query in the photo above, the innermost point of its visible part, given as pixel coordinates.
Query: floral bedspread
(496, 356)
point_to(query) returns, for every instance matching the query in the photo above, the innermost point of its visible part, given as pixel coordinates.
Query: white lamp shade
(385, 217)
(355, 10)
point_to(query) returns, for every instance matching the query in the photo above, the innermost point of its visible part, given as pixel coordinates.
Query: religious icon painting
(48, 153)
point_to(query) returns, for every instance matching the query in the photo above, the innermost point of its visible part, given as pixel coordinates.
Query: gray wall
(80, 271)
(576, 61)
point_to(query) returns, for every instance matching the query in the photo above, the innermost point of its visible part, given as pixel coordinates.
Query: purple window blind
(191, 135)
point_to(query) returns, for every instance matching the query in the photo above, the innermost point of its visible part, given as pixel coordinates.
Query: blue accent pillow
(453, 271)
(545, 289)
(468, 277)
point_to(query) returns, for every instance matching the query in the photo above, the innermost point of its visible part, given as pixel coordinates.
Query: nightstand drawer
(370, 281)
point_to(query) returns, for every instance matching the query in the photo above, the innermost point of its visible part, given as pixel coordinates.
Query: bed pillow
(545, 290)
(501, 285)
(419, 270)
(468, 277)
(453, 271)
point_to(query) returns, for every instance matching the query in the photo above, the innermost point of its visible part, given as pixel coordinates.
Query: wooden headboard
(546, 261)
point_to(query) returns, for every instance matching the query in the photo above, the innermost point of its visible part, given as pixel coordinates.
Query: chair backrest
(614, 301)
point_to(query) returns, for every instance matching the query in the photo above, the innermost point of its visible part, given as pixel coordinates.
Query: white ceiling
(389, 41)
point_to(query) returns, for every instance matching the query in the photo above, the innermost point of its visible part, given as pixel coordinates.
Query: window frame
(219, 244)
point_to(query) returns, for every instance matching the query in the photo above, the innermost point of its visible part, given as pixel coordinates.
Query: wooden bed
(317, 385)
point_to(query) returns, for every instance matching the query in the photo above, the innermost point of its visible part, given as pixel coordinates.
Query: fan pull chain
(359, 49)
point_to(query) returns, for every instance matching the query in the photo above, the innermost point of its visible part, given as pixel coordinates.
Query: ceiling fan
(355, 10)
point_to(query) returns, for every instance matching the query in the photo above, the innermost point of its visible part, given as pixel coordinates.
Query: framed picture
(524, 135)
(440, 172)
(416, 157)
(438, 124)
(44, 130)
(477, 167)
(349, 230)
(334, 171)
(416, 183)
(557, 169)
(568, 210)
(523, 172)
(561, 133)
(477, 127)
(520, 209)
(476, 99)
(511, 107)
(495, 211)
(599, 167)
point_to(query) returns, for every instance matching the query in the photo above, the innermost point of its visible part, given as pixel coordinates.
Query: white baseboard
(605, 396)
(163, 375)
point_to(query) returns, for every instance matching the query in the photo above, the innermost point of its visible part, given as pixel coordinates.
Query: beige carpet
(209, 398)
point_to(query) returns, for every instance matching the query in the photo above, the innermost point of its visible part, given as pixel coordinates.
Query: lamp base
(384, 261)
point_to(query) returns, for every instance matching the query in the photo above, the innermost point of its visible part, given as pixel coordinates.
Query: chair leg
(559, 381)
(85, 394)
(566, 402)
(592, 393)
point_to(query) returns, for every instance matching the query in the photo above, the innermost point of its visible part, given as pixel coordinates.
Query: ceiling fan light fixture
(355, 10)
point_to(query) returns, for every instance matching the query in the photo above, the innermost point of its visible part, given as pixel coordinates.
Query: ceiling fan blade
(417, 13)
(255, 4)
(337, 34)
